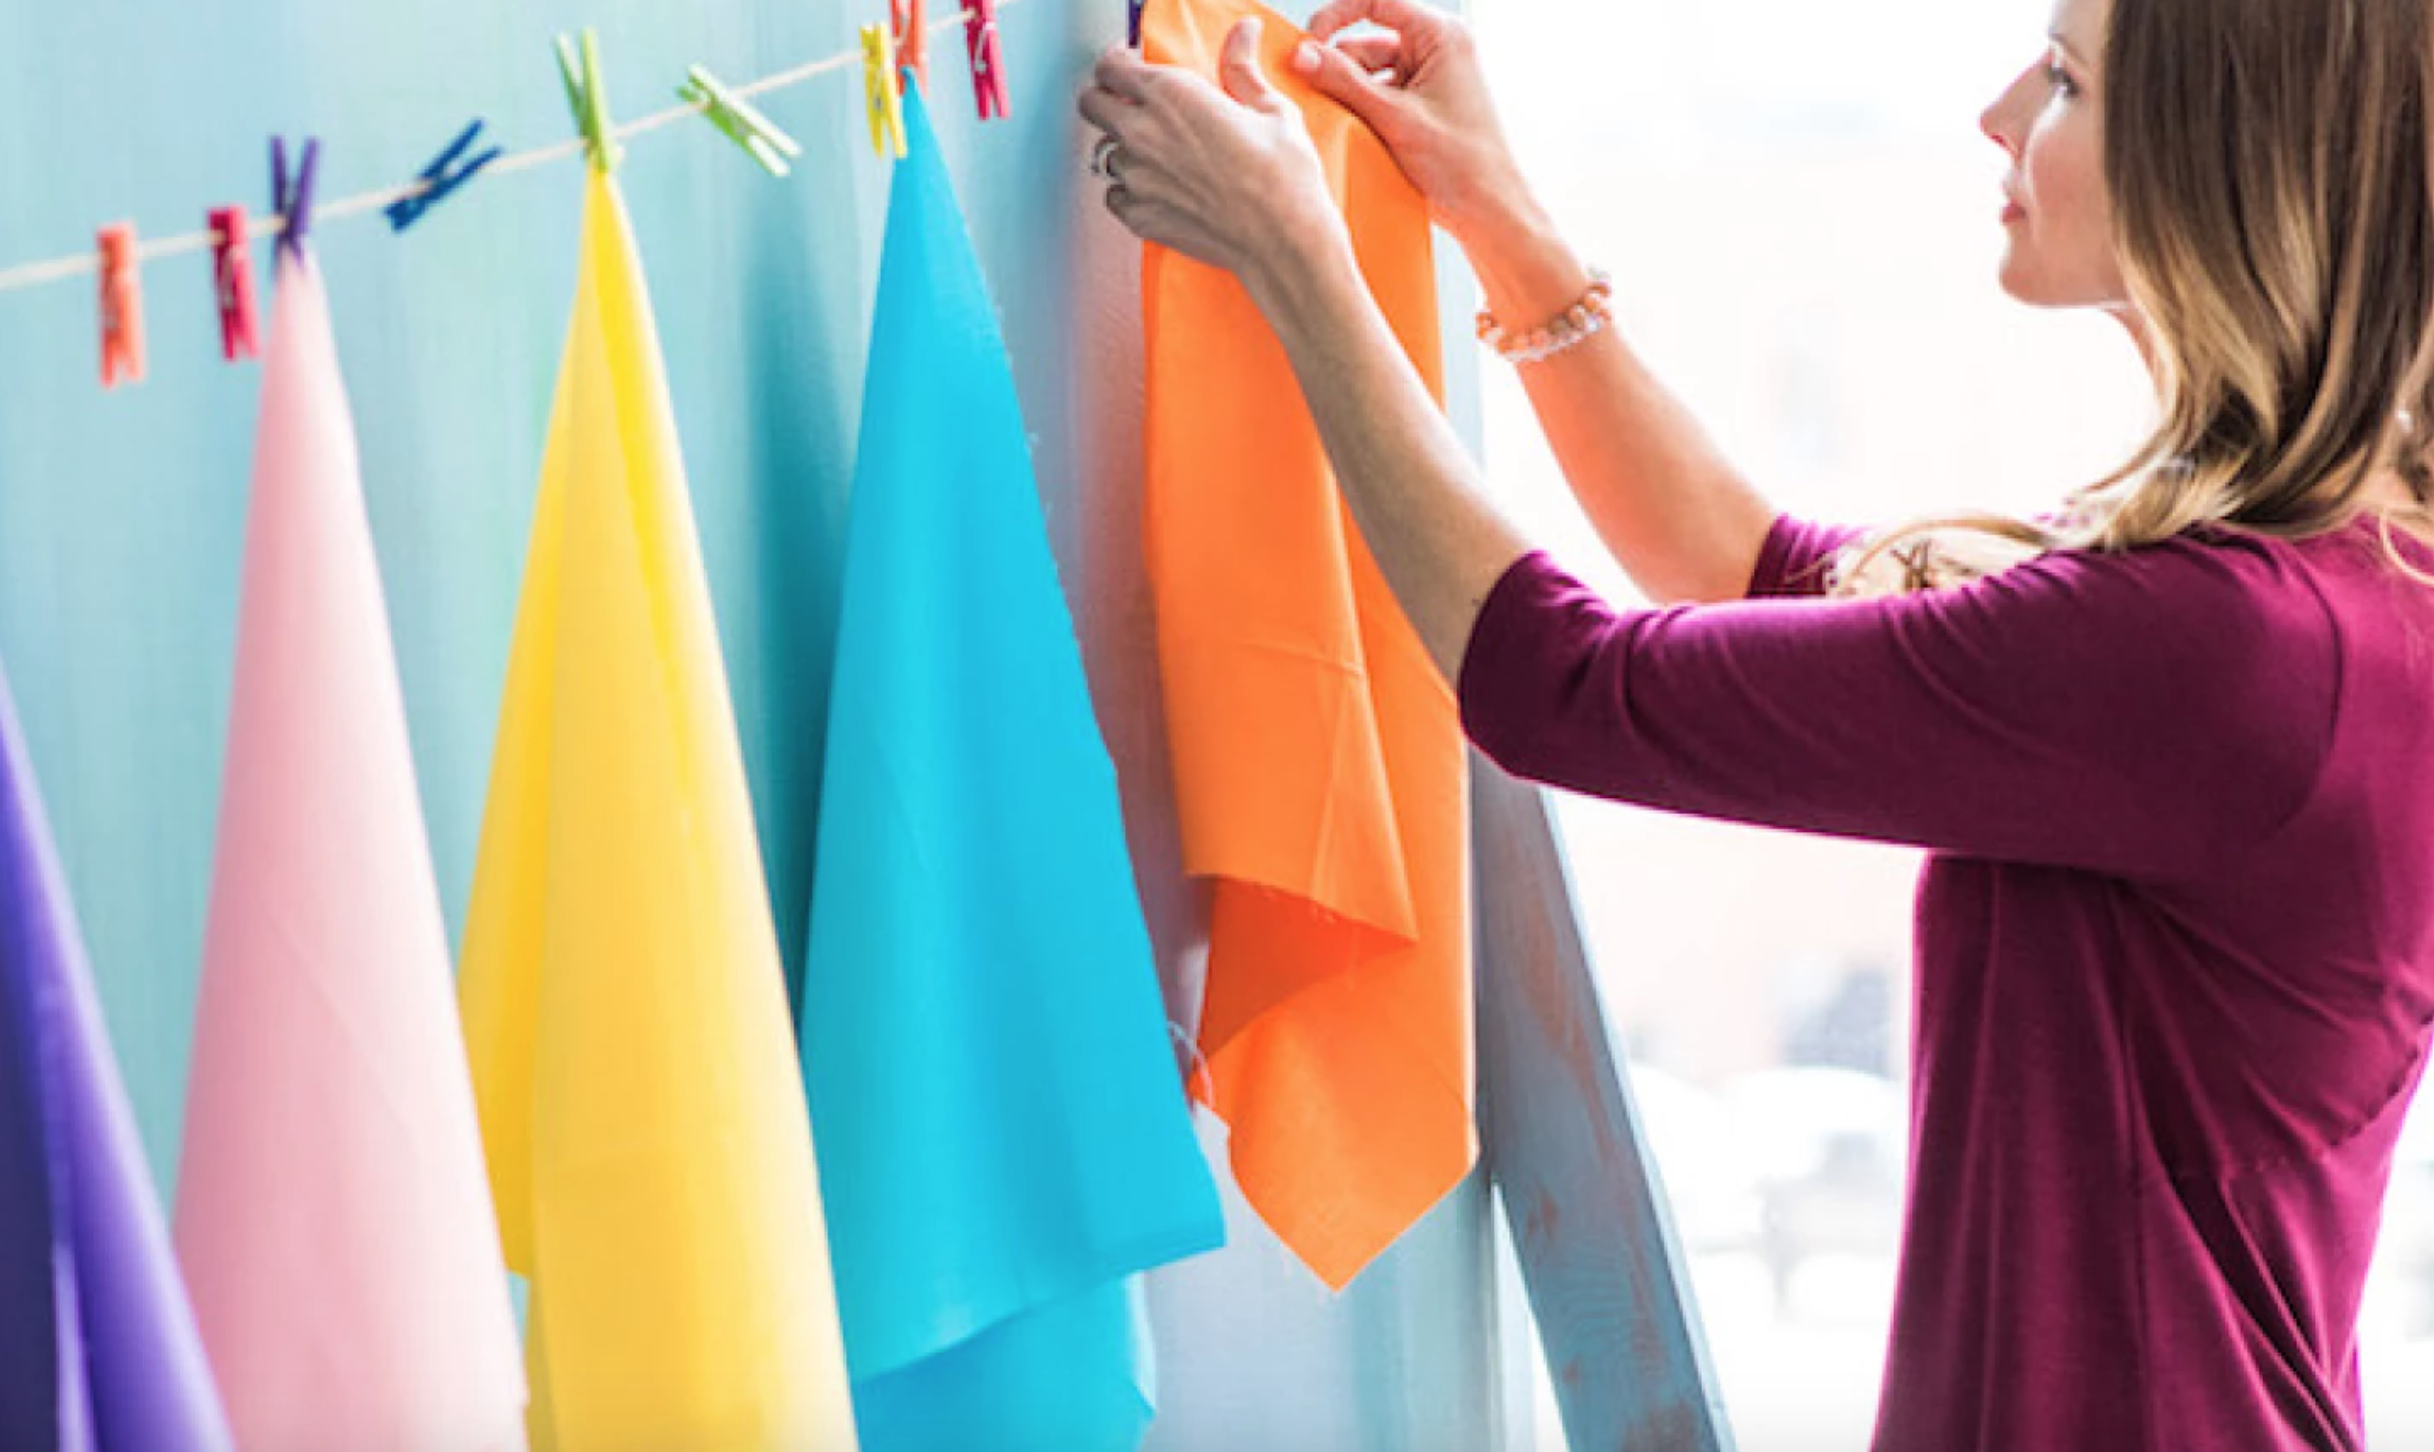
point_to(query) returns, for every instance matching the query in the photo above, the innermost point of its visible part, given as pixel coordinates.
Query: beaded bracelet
(1577, 324)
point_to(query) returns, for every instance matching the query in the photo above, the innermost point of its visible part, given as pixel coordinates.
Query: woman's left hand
(1228, 177)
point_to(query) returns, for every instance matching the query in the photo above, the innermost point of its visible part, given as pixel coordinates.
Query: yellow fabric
(624, 1010)
(1320, 773)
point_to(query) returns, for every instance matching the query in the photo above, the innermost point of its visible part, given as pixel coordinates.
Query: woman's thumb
(1340, 78)
(1239, 68)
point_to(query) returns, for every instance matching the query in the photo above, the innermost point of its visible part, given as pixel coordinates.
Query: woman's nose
(2000, 121)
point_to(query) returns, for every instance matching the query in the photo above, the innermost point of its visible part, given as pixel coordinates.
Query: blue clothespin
(439, 179)
(1132, 22)
(291, 195)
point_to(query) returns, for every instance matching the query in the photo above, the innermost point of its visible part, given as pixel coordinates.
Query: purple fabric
(2175, 938)
(98, 1351)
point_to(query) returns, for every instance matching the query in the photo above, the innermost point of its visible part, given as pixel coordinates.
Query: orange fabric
(1319, 764)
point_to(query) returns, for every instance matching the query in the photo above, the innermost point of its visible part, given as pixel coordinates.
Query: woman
(2170, 749)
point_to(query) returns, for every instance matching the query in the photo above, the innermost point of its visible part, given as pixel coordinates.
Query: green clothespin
(880, 94)
(745, 126)
(587, 97)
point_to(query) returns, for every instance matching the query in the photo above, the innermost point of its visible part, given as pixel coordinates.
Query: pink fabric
(333, 1216)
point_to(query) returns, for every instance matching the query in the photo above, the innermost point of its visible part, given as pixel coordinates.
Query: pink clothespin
(988, 66)
(912, 39)
(232, 274)
(122, 307)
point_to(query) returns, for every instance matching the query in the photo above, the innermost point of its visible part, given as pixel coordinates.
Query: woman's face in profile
(2058, 219)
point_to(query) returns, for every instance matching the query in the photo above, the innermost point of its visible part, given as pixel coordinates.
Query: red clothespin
(122, 307)
(232, 275)
(988, 65)
(912, 39)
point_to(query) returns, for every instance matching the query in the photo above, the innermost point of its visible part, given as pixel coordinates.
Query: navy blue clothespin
(1132, 22)
(441, 177)
(291, 196)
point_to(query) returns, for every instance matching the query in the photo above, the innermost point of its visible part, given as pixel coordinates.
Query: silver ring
(1103, 158)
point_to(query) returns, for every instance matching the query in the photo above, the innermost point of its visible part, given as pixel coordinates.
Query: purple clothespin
(292, 196)
(1132, 22)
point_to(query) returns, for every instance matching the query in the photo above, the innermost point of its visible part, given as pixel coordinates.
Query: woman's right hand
(1421, 88)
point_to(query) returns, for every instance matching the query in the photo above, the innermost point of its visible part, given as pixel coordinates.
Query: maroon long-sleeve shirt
(2174, 973)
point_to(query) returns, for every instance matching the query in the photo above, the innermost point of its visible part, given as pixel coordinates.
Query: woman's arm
(2152, 714)
(1683, 522)
(1230, 178)
(1679, 517)
(1402, 469)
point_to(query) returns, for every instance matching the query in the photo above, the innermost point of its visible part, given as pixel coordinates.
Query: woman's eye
(2060, 79)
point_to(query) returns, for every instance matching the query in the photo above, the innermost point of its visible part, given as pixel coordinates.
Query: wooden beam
(1607, 1282)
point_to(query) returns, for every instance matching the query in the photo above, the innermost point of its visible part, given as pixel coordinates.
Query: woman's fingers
(1223, 171)
(1373, 53)
(1122, 71)
(1106, 110)
(1153, 220)
(1340, 77)
(1239, 65)
(1402, 15)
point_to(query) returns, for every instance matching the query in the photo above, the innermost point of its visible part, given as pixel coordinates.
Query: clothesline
(84, 264)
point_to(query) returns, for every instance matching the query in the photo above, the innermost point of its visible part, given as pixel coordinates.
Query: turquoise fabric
(1002, 1130)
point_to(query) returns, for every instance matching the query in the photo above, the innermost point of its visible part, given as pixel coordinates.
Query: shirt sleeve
(2148, 714)
(1798, 557)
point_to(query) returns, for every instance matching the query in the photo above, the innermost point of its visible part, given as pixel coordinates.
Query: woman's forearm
(1411, 487)
(1683, 522)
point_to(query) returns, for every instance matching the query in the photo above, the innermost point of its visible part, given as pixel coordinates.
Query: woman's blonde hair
(2271, 164)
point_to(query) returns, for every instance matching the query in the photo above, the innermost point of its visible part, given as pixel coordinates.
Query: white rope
(86, 264)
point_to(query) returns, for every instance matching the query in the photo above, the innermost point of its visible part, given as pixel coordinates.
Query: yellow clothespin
(587, 96)
(744, 125)
(879, 87)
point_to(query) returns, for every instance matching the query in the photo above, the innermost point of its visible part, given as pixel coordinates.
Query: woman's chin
(2029, 279)
(2021, 283)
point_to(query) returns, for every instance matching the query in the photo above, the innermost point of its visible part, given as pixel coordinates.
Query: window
(1801, 220)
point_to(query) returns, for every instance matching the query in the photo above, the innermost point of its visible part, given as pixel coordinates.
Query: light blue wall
(121, 513)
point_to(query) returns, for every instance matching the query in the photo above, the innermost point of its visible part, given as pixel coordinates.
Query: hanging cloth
(624, 1009)
(1319, 763)
(333, 1219)
(98, 1351)
(1003, 1129)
